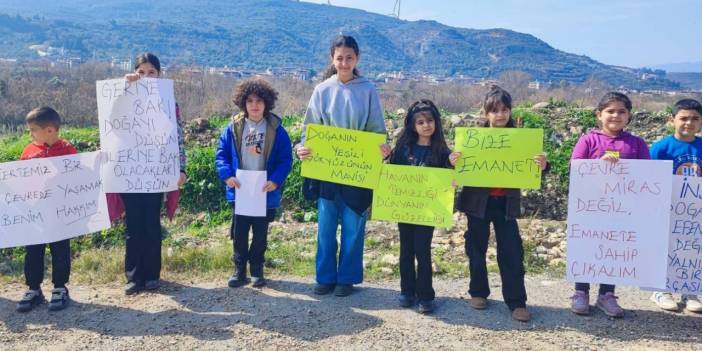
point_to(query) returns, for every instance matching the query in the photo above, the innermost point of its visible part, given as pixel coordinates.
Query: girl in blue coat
(254, 140)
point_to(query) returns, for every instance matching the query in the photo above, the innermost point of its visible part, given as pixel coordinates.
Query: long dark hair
(408, 138)
(147, 57)
(341, 41)
(495, 97)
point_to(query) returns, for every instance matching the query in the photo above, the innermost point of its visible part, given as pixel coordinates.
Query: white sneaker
(692, 303)
(665, 301)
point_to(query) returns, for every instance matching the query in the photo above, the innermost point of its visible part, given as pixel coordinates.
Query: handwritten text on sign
(139, 135)
(343, 156)
(685, 240)
(499, 157)
(416, 195)
(618, 214)
(50, 199)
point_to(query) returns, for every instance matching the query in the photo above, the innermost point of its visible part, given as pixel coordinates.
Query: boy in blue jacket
(254, 140)
(684, 148)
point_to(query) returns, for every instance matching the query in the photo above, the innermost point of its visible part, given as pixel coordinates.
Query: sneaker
(521, 314)
(608, 304)
(323, 289)
(343, 290)
(152, 284)
(30, 299)
(132, 288)
(580, 303)
(406, 300)
(426, 306)
(665, 301)
(479, 303)
(59, 299)
(692, 303)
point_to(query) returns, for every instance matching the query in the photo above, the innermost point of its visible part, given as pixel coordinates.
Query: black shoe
(257, 279)
(406, 300)
(426, 306)
(132, 288)
(258, 282)
(343, 290)
(323, 289)
(59, 299)
(238, 278)
(152, 284)
(31, 299)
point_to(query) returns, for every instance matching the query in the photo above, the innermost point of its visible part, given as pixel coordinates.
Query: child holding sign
(611, 143)
(142, 258)
(500, 207)
(684, 148)
(44, 124)
(421, 144)
(345, 100)
(254, 140)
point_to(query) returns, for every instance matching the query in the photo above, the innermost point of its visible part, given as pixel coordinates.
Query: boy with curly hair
(255, 140)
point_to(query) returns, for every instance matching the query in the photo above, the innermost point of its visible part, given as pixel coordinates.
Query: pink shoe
(608, 304)
(580, 303)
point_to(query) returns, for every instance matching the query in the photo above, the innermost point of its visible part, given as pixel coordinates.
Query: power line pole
(396, 9)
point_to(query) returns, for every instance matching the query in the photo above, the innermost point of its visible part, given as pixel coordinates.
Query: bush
(203, 190)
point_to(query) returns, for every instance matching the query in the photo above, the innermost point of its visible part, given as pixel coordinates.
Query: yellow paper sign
(416, 195)
(343, 156)
(499, 157)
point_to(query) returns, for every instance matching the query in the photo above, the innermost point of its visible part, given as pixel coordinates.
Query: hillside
(282, 33)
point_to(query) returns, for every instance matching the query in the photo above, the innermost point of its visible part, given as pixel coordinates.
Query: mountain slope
(283, 33)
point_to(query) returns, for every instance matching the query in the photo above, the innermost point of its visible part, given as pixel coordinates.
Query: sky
(633, 33)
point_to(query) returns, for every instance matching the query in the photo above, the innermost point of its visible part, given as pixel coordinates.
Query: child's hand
(270, 186)
(610, 158)
(131, 77)
(385, 150)
(303, 153)
(540, 160)
(182, 179)
(453, 157)
(232, 182)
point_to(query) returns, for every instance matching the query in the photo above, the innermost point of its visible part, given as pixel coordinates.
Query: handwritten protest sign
(618, 214)
(139, 135)
(416, 195)
(499, 157)
(685, 237)
(45, 200)
(343, 156)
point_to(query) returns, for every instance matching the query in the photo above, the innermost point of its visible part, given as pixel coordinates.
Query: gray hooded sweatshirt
(353, 105)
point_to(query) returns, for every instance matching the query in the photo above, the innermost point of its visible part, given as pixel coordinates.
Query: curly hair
(258, 87)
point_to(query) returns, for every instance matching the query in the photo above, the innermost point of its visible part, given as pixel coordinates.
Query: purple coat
(594, 144)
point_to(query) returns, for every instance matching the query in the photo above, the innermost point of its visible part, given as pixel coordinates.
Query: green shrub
(203, 191)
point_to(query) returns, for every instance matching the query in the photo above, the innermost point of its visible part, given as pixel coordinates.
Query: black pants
(604, 288)
(415, 243)
(60, 264)
(510, 254)
(142, 259)
(254, 254)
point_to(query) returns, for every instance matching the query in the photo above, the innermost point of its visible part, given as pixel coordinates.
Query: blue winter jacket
(277, 150)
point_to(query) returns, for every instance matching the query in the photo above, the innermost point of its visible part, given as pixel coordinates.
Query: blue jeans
(353, 227)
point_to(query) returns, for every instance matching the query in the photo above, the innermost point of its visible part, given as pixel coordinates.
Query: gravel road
(286, 315)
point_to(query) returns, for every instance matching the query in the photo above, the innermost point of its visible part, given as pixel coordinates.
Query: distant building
(122, 64)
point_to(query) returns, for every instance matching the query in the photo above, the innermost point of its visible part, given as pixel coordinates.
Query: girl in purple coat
(611, 143)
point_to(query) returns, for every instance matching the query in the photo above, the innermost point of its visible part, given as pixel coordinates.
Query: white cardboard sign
(45, 200)
(139, 135)
(618, 217)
